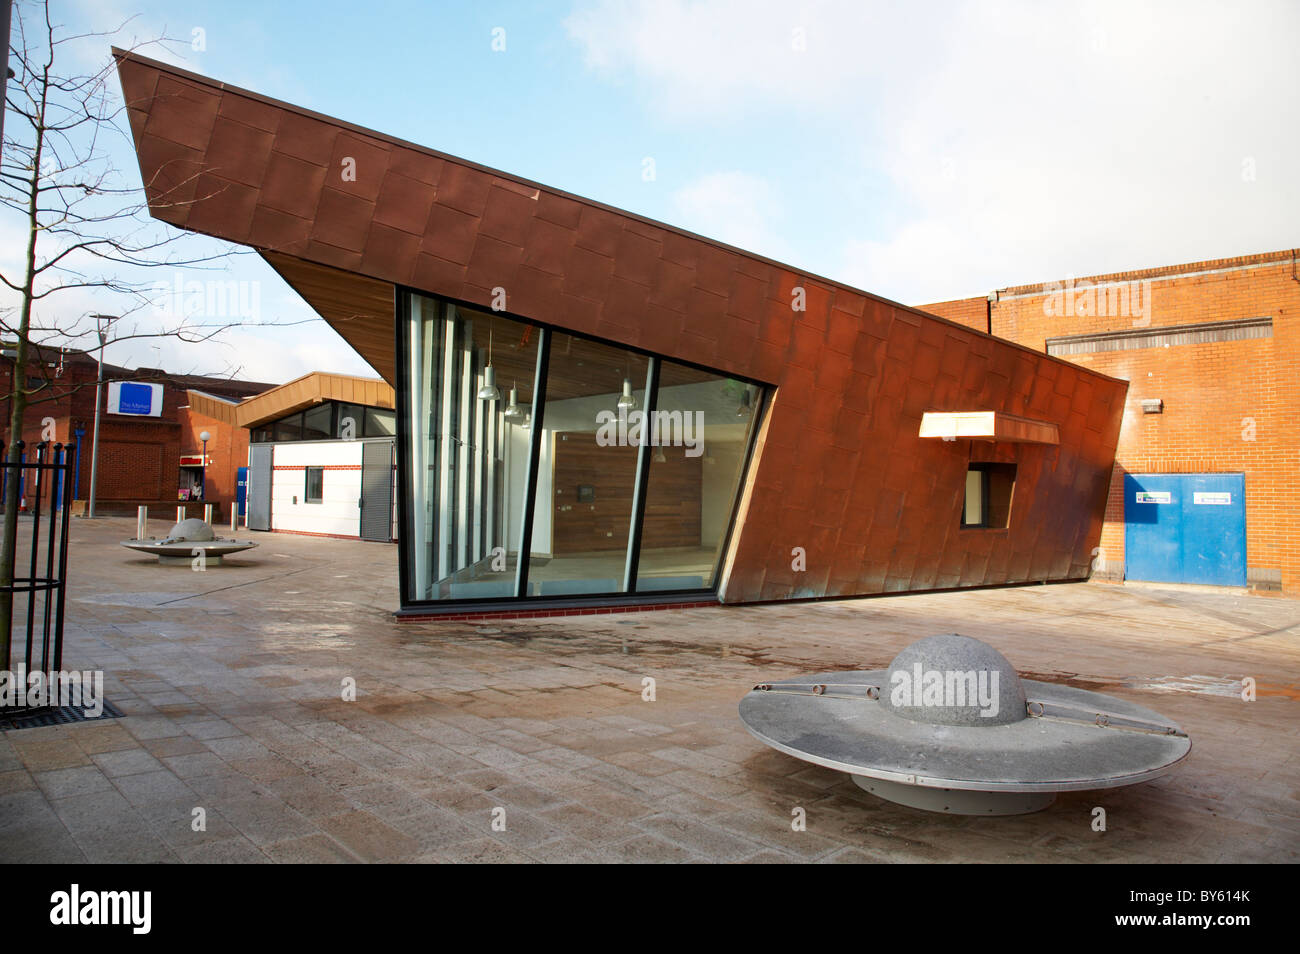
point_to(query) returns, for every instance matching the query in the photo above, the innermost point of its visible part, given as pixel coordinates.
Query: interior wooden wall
(673, 499)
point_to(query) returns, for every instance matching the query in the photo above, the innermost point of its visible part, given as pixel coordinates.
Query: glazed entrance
(543, 464)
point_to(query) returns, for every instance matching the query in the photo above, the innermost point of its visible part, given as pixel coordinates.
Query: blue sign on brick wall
(135, 398)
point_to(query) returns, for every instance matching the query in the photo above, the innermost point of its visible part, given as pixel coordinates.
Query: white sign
(1217, 499)
(1155, 496)
(137, 398)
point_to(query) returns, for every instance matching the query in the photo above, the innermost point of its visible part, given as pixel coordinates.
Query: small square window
(989, 489)
(315, 485)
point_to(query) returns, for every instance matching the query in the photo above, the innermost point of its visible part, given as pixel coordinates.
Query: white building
(320, 457)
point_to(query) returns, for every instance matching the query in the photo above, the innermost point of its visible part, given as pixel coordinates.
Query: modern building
(319, 455)
(149, 448)
(1206, 486)
(597, 409)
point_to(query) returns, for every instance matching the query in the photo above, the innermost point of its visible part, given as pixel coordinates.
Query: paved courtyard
(232, 681)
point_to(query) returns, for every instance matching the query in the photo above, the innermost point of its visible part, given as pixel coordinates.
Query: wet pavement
(534, 739)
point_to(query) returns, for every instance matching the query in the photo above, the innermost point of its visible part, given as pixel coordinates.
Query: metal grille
(1133, 339)
(258, 494)
(59, 715)
(377, 490)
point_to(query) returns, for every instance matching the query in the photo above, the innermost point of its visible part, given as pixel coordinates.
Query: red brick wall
(1212, 392)
(971, 312)
(227, 452)
(139, 458)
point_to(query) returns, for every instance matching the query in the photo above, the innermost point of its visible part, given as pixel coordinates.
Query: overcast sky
(919, 151)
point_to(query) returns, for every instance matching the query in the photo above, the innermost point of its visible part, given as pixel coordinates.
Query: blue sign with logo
(135, 399)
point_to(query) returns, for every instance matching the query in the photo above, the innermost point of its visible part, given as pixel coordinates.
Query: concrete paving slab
(234, 702)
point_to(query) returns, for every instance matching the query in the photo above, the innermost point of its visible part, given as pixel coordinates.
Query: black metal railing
(38, 557)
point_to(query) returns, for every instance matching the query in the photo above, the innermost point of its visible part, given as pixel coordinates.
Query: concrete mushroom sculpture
(951, 727)
(185, 541)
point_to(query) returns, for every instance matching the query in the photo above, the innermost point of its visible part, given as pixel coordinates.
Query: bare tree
(89, 236)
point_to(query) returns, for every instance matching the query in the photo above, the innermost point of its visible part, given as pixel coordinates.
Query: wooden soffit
(359, 308)
(312, 389)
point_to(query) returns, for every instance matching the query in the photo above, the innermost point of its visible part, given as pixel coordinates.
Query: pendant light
(660, 457)
(489, 391)
(513, 411)
(627, 401)
(745, 409)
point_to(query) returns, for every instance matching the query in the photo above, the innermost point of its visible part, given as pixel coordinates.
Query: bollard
(234, 518)
(141, 522)
(207, 514)
(180, 513)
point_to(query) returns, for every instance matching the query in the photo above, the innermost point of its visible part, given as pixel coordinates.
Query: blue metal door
(1185, 528)
(241, 490)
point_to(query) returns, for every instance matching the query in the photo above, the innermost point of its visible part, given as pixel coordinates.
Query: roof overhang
(306, 391)
(988, 426)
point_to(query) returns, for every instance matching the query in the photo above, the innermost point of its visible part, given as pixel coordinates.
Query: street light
(101, 327)
(204, 436)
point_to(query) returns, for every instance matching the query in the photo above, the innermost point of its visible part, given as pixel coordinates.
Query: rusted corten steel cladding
(839, 469)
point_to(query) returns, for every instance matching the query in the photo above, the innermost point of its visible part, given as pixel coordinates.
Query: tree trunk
(17, 408)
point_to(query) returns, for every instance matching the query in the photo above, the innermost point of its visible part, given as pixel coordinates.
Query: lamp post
(101, 328)
(204, 436)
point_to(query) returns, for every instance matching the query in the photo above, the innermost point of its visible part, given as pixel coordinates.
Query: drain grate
(58, 715)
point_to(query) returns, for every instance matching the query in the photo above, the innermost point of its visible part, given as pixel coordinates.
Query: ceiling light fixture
(627, 401)
(513, 411)
(489, 391)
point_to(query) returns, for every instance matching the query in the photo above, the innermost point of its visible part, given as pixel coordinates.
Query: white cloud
(1001, 143)
(734, 207)
(705, 57)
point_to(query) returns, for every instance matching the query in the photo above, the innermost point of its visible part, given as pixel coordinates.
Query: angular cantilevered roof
(347, 216)
(344, 213)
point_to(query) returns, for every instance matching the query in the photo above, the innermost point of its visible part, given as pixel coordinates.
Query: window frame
(986, 469)
(306, 490)
(409, 606)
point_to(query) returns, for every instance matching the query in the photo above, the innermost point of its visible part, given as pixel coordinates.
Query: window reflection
(587, 470)
(702, 429)
(468, 451)
(607, 421)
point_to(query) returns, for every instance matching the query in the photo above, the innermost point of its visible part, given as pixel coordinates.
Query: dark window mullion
(405, 485)
(633, 558)
(534, 460)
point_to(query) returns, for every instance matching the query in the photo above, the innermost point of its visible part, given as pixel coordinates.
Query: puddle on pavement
(600, 642)
(118, 598)
(1223, 686)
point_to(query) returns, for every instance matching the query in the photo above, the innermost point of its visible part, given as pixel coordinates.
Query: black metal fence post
(43, 644)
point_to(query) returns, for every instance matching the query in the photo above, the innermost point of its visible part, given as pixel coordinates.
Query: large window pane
(317, 421)
(380, 423)
(587, 468)
(351, 421)
(468, 450)
(700, 435)
(288, 429)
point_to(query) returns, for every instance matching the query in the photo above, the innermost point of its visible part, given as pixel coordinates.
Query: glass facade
(329, 420)
(540, 464)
